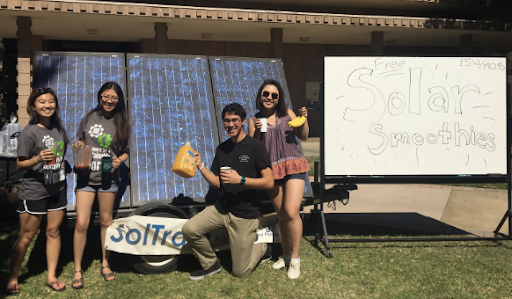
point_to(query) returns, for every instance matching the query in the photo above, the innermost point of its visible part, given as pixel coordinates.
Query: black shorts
(43, 206)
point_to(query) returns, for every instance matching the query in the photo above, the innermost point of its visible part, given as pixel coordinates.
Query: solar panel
(76, 79)
(171, 103)
(237, 80)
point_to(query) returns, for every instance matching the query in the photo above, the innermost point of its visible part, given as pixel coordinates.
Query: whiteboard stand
(337, 192)
(345, 184)
(508, 214)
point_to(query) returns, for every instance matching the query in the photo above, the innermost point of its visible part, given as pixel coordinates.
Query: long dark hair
(54, 118)
(281, 109)
(122, 126)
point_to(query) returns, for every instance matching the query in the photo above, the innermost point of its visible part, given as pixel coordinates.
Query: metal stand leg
(322, 235)
(507, 216)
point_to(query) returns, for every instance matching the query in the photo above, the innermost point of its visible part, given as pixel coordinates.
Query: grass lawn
(474, 269)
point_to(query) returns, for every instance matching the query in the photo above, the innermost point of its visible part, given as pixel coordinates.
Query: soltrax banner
(146, 235)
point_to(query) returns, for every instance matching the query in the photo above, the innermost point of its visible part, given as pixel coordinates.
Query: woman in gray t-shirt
(41, 149)
(107, 130)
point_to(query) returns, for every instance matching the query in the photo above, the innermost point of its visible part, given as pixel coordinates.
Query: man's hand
(230, 176)
(199, 160)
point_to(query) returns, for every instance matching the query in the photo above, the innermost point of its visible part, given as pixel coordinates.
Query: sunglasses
(42, 90)
(275, 95)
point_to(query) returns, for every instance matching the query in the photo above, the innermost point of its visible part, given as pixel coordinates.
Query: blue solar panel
(171, 103)
(238, 80)
(76, 79)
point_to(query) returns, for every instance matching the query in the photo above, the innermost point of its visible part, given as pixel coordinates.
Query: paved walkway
(421, 207)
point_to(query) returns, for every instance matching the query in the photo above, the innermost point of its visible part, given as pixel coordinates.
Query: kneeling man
(238, 208)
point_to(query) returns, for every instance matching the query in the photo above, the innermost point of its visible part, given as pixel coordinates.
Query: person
(238, 207)
(41, 148)
(289, 168)
(107, 130)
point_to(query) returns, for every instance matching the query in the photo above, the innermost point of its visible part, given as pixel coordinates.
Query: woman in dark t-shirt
(107, 130)
(41, 149)
(289, 167)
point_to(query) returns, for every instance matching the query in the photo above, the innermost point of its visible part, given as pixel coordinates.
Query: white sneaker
(280, 264)
(294, 270)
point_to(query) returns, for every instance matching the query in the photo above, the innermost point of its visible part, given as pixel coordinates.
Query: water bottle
(106, 173)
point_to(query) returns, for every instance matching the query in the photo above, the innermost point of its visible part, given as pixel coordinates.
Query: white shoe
(280, 264)
(294, 270)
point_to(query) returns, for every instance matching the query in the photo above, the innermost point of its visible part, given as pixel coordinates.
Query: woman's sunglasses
(275, 95)
(42, 90)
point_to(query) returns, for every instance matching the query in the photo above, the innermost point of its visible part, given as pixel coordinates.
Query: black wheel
(152, 264)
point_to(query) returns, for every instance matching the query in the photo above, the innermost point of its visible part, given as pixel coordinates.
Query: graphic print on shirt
(54, 172)
(243, 158)
(104, 141)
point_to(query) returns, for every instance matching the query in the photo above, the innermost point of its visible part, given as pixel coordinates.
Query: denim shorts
(97, 188)
(295, 176)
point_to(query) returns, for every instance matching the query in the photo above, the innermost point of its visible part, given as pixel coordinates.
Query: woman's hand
(257, 124)
(78, 144)
(303, 112)
(45, 155)
(116, 162)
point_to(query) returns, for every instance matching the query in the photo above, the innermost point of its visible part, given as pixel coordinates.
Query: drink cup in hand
(55, 151)
(81, 155)
(263, 121)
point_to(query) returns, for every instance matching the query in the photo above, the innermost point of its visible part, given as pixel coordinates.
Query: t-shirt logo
(96, 130)
(48, 141)
(244, 158)
(105, 140)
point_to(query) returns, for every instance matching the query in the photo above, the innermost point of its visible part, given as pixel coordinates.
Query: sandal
(12, 289)
(51, 285)
(80, 280)
(108, 275)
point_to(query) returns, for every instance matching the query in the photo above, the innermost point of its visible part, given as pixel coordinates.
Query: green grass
(311, 162)
(470, 269)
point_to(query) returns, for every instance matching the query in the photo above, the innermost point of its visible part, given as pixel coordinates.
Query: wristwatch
(242, 180)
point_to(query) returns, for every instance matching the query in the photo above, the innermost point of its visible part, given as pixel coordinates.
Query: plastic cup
(263, 121)
(55, 150)
(81, 156)
(228, 168)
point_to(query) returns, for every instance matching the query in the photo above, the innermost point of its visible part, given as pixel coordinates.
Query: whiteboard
(415, 116)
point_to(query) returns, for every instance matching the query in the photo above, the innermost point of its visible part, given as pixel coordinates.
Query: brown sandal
(78, 280)
(108, 275)
(12, 289)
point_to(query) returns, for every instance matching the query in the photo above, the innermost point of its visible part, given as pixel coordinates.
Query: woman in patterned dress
(289, 167)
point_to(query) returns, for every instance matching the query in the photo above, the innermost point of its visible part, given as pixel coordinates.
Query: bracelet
(201, 168)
